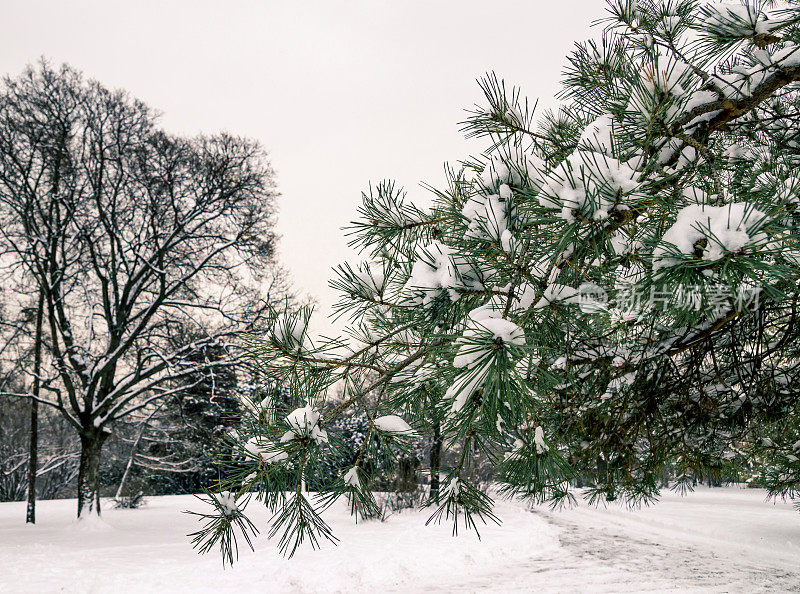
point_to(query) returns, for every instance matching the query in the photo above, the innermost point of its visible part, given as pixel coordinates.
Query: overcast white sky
(340, 93)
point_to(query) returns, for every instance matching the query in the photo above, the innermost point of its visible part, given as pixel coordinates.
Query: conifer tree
(609, 290)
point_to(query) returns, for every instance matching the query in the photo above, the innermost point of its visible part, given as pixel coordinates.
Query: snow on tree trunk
(89, 473)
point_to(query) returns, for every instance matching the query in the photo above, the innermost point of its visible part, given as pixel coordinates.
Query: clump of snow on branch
(393, 424)
(227, 502)
(433, 272)
(486, 335)
(264, 450)
(351, 478)
(304, 424)
(497, 172)
(538, 441)
(723, 229)
(740, 20)
(556, 292)
(466, 385)
(489, 216)
(590, 182)
(482, 338)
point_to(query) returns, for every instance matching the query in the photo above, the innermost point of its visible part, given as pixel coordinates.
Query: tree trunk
(33, 451)
(436, 461)
(128, 466)
(33, 461)
(89, 472)
(406, 479)
(142, 427)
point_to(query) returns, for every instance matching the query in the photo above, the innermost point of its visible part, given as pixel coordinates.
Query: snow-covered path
(684, 546)
(714, 540)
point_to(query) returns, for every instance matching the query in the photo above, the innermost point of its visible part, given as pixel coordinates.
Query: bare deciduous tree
(131, 234)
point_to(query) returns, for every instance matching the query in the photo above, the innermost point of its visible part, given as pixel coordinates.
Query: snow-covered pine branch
(609, 291)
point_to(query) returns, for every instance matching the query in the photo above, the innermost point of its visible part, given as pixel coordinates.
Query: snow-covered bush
(610, 290)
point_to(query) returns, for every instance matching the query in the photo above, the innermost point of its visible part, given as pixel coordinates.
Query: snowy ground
(714, 540)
